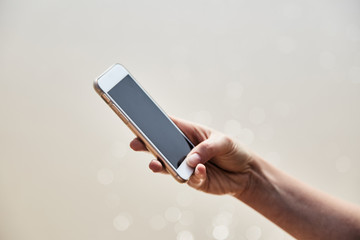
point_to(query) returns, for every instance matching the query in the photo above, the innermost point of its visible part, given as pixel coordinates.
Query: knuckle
(226, 140)
(207, 148)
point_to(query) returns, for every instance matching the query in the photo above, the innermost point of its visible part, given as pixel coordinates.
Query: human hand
(221, 164)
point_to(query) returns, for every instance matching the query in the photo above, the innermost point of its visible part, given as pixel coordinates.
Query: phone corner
(181, 180)
(96, 86)
(118, 64)
(184, 172)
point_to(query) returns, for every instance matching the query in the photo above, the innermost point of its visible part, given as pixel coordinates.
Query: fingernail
(193, 159)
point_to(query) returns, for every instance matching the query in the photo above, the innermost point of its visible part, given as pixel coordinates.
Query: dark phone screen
(151, 120)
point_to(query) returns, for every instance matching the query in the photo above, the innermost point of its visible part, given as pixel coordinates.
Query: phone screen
(151, 120)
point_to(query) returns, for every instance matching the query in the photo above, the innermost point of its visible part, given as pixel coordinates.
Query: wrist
(260, 182)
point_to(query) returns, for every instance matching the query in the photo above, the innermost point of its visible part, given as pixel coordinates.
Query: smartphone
(146, 120)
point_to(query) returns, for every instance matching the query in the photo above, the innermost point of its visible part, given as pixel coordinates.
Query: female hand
(221, 164)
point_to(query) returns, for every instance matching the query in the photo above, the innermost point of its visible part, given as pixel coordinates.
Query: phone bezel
(104, 83)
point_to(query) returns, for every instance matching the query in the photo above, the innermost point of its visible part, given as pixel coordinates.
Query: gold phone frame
(130, 124)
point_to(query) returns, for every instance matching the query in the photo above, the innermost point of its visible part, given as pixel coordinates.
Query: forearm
(297, 208)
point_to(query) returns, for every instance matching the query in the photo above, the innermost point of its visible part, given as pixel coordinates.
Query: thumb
(206, 150)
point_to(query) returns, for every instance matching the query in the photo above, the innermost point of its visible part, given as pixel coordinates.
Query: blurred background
(281, 76)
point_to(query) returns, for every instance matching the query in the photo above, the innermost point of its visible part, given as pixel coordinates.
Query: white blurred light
(246, 136)
(257, 116)
(354, 75)
(203, 117)
(119, 149)
(223, 218)
(122, 222)
(353, 33)
(184, 199)
(343, 164)
(187, 218)
(184, 235)
(286, 45)
(157, 222)
(232, 127)
(253, 233)
(172, 214)
(105, 176)
(327, 60)
(234, 90)
(220, 232)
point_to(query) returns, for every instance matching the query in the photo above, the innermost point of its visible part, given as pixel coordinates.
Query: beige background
(282, 76)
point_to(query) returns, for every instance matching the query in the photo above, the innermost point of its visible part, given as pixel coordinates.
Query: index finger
(194, 132)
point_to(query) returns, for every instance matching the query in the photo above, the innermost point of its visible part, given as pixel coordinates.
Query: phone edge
(134, 129)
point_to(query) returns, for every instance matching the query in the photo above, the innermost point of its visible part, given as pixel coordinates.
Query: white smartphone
(146, 119)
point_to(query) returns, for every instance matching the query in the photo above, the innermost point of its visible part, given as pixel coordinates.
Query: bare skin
(223, 166)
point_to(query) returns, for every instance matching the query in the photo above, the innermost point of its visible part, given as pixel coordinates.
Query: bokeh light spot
(122, 222)
(185, 235)
(223, 218)
(220, 232)
(253, 233)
